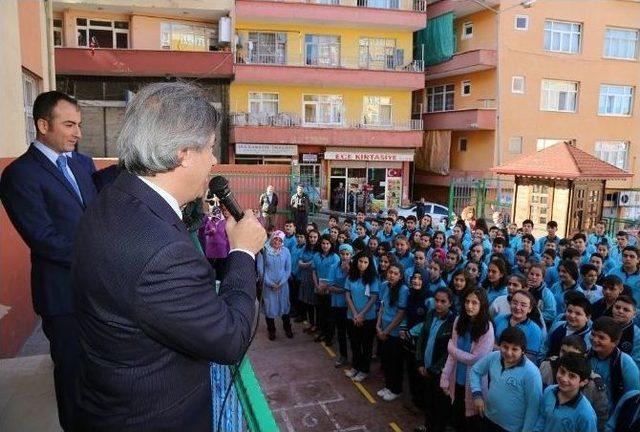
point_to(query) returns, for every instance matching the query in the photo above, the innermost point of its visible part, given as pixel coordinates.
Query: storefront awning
(369, 154)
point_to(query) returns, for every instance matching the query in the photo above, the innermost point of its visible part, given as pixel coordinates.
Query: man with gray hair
(150, 320)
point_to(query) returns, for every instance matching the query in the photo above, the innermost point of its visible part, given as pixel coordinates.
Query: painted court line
(395, 427)
(364, 392)
(328, 350)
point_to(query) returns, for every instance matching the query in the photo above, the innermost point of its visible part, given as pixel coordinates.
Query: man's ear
(42, 125)
(183, 157)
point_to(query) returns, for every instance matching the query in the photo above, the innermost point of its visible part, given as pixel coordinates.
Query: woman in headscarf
(274, 269)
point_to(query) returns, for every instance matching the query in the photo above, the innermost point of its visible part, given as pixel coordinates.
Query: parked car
(436, 211)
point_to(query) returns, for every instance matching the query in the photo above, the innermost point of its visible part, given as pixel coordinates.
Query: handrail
(285, 119)
(403, 5)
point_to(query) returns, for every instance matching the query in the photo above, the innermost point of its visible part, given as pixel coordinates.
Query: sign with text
(369, 156)
(266, 149)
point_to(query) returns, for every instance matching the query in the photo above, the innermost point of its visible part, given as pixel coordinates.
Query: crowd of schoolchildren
(496, 330)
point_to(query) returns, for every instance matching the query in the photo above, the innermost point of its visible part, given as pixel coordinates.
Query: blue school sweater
(513, 399)
(532, 332)
(576, 415)
(613, 420)
(629, 373)
(558, 331)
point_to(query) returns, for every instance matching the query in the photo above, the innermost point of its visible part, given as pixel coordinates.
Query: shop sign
(309, 158)
(266, 149)
(369, 156)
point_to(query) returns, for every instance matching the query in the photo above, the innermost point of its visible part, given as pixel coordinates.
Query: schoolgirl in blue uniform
(390, 319)
(496, 281)
(337, 282)
(323, 263)
(525, 316)
(361, 292)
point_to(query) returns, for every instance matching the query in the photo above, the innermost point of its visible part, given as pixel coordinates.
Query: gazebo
(560, 183)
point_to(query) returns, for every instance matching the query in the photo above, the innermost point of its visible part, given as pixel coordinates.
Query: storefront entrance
(368, 189)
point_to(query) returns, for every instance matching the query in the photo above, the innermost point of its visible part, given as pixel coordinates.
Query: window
(465, 88)
(559, 96)
(29, 93)
(184, 37)
(267, 48)
(515, 145)
(562, 36)
(100, 33)
(539, 206)
(544, 143)
(621, 43)
(613, 152)
(615, 100)
(379, 53)
(517, 84)
(57, 33)
(462, 144)
(322, 50)
(322, 109)
(440, 98)
(263, 103)
(521, 22)
(467, 30)
(376, 110)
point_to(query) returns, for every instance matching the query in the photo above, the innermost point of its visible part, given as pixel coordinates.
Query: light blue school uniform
(384, 237)
(551, 276)
(630, 374)
(613, 419)
(493, 294)
(290, 243)
(594, 240)
(630, 279)
(324, 264)
(559, 292)
(533, 333)
(593, 294)
(541, 244)
(296, 254)
(275, 268)
(515, 242)
(338, 278)
(389, 311)
(513, 399)
(576, 415)
(360, 295)
(406, 260)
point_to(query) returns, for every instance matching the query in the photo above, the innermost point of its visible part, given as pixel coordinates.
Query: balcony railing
(404, 5)
(391, 62)
(285, 119)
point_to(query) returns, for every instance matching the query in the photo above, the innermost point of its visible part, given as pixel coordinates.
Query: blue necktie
(62, 166)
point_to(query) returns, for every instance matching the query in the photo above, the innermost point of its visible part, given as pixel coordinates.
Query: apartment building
(25, 70)
(516, 77)
(325, 86)
(105, 50)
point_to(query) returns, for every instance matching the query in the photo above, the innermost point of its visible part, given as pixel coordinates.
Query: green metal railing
(485, 195)
(613, 225)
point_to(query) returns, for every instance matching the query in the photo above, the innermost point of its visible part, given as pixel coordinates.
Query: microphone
(220, 187)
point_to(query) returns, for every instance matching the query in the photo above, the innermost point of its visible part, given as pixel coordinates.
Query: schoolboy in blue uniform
(576, 323)
(551, 237)
(617, 369)
(512, 402)
(579, 241)
(608, 263)
(629, 272)
(599, 235)
(402, 252)
(386, 235)
(624, 311)
(564, 408)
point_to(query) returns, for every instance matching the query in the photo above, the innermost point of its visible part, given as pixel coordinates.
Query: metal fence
(613, 225)
(490, 198)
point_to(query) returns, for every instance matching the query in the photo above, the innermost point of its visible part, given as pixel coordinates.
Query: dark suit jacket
(45, 210)
(150, 320)
(85, 161)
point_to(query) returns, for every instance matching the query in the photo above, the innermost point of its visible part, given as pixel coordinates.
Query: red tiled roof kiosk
(560, 183)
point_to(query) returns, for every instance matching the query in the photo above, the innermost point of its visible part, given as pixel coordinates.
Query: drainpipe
(51, 66)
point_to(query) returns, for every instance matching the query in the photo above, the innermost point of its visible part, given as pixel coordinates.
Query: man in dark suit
(150, 319)
(45, 192)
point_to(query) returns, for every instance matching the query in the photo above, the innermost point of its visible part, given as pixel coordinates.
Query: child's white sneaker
(350, 373)
(383, 392)
(360, 376)
(390, 396)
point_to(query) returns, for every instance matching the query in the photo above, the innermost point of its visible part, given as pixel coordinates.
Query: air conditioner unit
(628, 198)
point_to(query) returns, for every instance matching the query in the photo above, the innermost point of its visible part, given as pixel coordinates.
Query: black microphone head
(219, 186)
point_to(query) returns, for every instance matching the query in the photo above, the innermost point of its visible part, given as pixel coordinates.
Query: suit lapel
(84, 181)
(55, 172)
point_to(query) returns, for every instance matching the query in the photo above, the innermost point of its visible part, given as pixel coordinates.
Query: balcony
(129, 62)
(405, 15)
(459, 8)
(288, 128)
(469, 119)
(463, 63)
(389, 72)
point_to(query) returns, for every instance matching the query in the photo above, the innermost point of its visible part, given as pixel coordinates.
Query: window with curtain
(620, 43)
(322, 50)
(615, 100)
(377, 53)
(376, 110)
(100, 33)
(263, 103)
(322, 110)
(440, 98)
(562, 36)
(186, 37)
(613, 152)
(267, 48)
(559, 96)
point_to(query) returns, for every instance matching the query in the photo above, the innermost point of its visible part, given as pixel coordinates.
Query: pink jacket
(478, 350)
